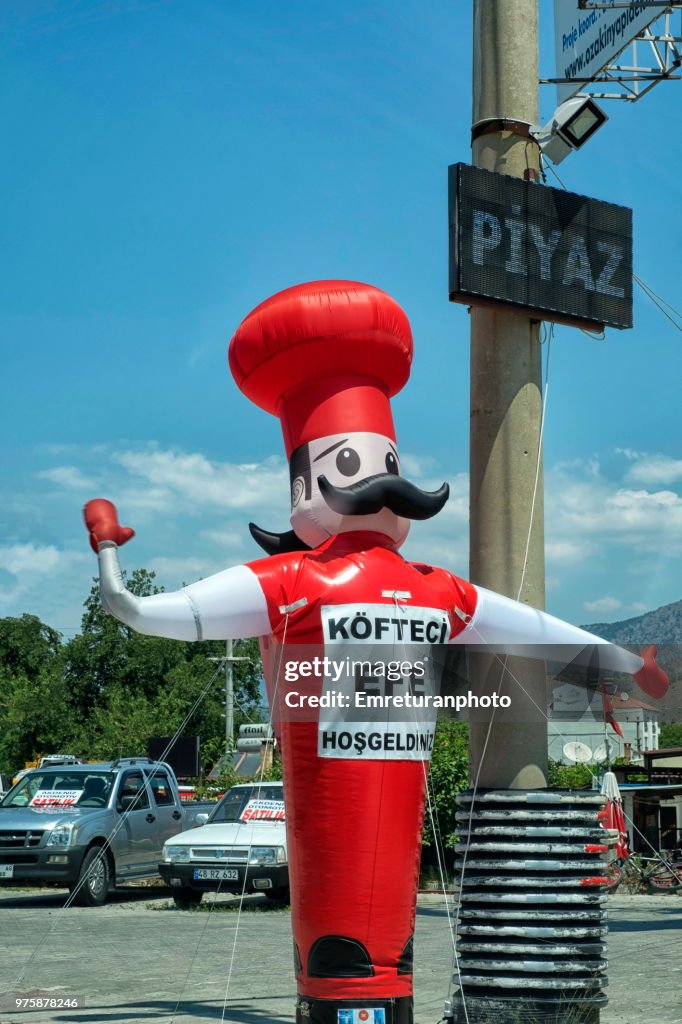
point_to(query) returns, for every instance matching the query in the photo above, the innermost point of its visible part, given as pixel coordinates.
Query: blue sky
(168, 165)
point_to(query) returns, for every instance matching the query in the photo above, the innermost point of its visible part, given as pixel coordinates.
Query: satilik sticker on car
(55, 799)
(263, 810)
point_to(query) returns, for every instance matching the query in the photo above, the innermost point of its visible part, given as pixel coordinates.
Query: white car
(240, 848)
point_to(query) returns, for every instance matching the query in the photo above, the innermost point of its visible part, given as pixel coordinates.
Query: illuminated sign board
(564, 256)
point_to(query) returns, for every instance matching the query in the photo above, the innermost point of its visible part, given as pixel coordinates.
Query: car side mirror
(201, 818)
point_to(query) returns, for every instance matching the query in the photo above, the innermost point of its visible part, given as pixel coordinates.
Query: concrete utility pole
(228, 661)
(506, 406)
(499, 977)
(229, 698)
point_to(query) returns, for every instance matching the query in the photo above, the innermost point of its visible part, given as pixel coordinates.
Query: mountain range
(662, 626)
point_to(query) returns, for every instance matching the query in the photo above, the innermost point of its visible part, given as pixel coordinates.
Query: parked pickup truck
(242, 847)
(90, 826)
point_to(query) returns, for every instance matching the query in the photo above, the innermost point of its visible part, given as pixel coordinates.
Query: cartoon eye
(348, 461)
(392, 464)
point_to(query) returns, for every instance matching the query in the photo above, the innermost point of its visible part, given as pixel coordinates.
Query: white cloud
(17, 598)
(199, 483)
(416, 467)
(654, 470)
(28, 558)
(45, 581)
(586, 507)
(70, 477)
(227, 538)
(191, 515)
(567, 550)
(176, 571)
(603, 604)
(443, 540)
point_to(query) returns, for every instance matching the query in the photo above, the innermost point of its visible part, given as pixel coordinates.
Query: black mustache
(277, 543)
(384, 490)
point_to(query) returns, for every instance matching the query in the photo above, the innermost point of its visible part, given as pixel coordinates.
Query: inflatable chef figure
(326, 358)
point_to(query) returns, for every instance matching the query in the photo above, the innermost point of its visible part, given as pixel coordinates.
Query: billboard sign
(586, 41)
(180, 752)
(566, 257)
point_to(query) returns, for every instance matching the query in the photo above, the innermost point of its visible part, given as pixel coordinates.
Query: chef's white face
(344, 459)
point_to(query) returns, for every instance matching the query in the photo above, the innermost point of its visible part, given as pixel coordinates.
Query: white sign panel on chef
(384, 652)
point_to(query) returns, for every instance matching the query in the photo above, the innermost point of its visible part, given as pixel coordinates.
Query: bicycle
(664, 875)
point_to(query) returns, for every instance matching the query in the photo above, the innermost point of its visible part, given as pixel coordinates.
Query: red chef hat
(325, 357)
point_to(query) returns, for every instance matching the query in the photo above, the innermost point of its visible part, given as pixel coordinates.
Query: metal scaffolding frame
(635, 79)
(605, 5)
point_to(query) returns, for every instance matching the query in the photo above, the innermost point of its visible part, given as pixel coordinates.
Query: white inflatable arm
(507, 626)
(228, 605)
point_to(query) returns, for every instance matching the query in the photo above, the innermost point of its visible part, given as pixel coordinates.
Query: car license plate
(216, 874)
(6, 870)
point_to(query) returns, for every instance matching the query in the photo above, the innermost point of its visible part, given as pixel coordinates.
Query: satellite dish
(601, 753)
(578, 752)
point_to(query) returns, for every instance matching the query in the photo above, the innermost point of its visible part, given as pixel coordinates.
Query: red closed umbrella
(615, 815)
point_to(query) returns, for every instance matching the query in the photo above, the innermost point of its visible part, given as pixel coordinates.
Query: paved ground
(139, 961)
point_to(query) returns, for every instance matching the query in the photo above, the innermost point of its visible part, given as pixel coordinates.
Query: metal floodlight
(571, 125)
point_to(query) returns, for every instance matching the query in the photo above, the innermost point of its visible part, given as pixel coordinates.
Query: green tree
(132, 687)
(671, 734)
(27, 645)
(106, 652)
(108, 690)
(448, 776)
(33, 715)
(570, 776)
(188, 696)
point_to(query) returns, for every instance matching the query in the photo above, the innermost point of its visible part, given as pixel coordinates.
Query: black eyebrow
(328, 450)
(395, 451)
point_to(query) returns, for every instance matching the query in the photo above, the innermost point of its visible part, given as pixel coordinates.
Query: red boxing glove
(650, 677)
(101, 519)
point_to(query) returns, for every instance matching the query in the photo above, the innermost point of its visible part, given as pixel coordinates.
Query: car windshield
(250, 803)
(60, 788)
